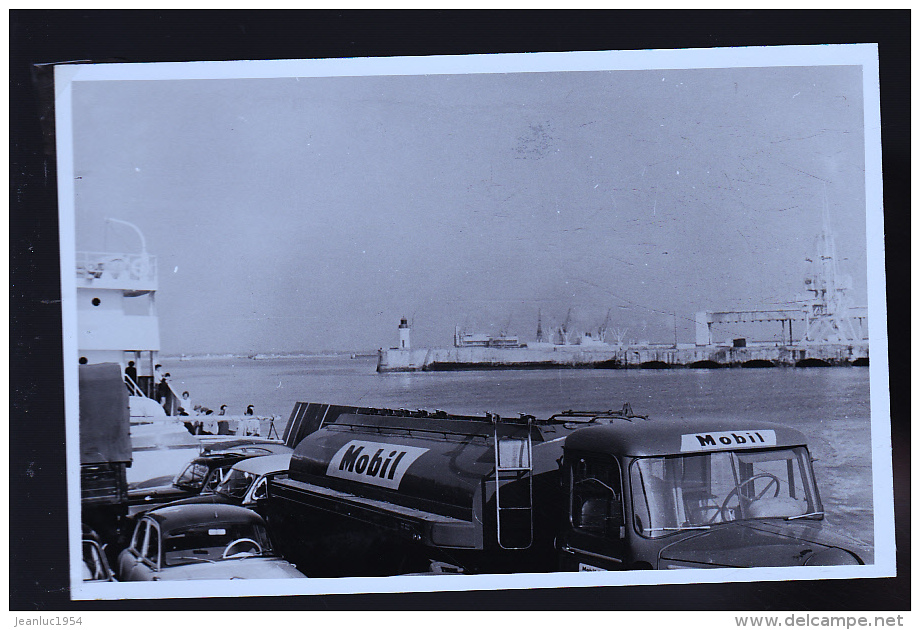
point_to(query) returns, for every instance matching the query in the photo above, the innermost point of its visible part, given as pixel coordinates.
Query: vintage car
(202, 475)
(95, 566)
(201, 542)
(245, 483)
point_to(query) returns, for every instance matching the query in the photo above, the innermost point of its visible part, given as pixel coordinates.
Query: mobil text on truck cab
(384, 492)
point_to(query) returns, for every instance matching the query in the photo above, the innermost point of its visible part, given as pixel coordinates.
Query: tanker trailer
(383, 492)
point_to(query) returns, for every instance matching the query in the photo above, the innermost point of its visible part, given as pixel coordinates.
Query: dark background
(38, 508)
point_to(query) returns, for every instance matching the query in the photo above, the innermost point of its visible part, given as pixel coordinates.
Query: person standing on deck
(131, 376)
(163, 389)
(155, 383)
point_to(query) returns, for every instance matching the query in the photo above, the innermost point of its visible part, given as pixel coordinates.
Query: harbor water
(830, 405)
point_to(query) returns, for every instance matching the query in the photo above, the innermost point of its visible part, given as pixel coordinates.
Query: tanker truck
(377, 492)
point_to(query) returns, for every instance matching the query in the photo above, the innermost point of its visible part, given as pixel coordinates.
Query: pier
(630, 357)
(834, 333)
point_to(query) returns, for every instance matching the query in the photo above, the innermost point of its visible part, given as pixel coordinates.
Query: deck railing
(116, 266)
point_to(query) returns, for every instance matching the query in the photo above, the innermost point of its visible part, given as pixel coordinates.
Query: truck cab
(691, 494)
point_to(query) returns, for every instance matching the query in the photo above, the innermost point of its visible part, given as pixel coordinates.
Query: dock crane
(562, 332)
(602, 331)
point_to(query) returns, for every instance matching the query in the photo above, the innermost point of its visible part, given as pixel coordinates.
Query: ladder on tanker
(513, 482)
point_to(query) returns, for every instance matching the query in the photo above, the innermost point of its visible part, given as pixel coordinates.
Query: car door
(96, 569)
(130, 557)
(149, 563)
(594, 531)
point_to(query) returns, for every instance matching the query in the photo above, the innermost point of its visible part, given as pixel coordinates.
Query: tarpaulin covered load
(104, 415)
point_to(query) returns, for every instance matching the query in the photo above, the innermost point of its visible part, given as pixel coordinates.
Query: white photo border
(865, 55)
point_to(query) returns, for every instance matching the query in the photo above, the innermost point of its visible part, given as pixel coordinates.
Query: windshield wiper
(676, 529)
(798, 516)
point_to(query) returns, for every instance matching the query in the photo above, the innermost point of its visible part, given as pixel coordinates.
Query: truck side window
(597, 505)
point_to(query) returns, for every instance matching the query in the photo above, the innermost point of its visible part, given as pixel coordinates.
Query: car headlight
(832, 557)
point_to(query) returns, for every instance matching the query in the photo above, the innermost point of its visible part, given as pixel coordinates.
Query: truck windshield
(672, 494)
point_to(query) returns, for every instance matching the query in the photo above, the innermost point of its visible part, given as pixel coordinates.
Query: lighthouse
(403, 334)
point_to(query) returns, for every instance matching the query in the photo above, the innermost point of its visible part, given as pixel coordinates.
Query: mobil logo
(376, 463)
(721, 440)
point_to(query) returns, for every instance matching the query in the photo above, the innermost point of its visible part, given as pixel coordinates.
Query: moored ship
(118, 324)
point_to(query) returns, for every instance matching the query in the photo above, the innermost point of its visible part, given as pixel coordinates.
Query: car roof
(264, 464)
(640, 437)
(175, 517)
(219, 459)
(154, 482)
(245, 444)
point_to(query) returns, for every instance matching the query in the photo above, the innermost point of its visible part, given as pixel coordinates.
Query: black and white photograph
(513, 315)
(484, 322)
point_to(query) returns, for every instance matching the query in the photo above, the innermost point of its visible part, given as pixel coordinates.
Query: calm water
(830, 405)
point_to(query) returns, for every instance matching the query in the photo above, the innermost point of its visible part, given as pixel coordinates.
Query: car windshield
(215, 542)
(236, 484)
(698, 491)
(193, 476)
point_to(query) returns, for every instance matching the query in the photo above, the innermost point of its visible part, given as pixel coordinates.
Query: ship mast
(136, 229)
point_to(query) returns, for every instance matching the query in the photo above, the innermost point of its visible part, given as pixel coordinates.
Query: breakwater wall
(644, 357)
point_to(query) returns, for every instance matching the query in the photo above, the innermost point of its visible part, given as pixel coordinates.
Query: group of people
(204, 421)
(162, 384)
(156, 387)
(201, 420)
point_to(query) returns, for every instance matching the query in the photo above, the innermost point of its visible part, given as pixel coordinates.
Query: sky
(311, 214)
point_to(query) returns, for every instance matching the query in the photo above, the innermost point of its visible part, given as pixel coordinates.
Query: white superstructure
(117, 323)
(116, 309)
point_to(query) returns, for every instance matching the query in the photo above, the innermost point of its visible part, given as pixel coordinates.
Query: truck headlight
(832, 557)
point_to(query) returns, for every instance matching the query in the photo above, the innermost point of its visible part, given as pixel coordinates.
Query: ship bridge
(116, 308)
